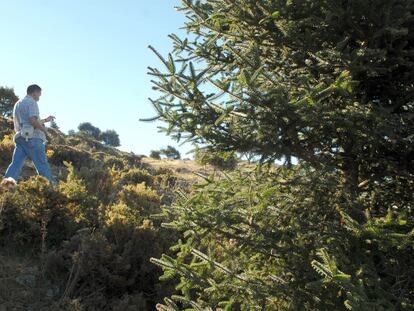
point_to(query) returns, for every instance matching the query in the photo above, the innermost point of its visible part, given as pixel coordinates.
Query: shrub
(120, 213)
(115, 162)
(6, 127)
(101, 181)
(6, 150)
(34, 214)
(112, 265)
(136, 176)
(219, 159)
(82, 205)
(134, 161)
(140, 198)
(77, 157)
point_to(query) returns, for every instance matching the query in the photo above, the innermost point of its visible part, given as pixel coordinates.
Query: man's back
(23, 110)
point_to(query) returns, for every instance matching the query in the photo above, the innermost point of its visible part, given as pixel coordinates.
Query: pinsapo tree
(330, 83)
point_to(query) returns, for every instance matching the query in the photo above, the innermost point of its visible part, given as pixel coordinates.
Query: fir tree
(329, 83)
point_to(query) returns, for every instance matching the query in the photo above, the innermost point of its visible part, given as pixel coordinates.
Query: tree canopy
(171, 153)
(110, 138)
(330, 83)
(7, 100)
(89, 129)
(155, 154)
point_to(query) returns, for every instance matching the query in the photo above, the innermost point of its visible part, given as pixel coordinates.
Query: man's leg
(39, 158)
(19, 157)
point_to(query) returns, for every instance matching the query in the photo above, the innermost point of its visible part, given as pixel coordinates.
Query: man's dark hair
(33, 88)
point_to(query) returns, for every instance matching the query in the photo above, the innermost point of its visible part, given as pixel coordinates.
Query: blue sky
(90, 57)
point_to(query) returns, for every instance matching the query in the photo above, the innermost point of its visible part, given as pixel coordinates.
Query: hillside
(86, 244)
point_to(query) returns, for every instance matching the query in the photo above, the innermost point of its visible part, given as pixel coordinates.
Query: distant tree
(171, 153)
(89, 129)
(155, 154)
(71, 132)
(7, 101)
(54, 125)
(110, 138)
(249, 156)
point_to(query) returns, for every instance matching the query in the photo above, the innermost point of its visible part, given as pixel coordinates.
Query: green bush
(6, 150)
(134, 161)
(140, 198)
(93, 230)
(136, 176)
(120, 213)
(77, 157)
(112, 265)
(35, 215)
(165, 180)
(115, 162)
(82, 205)
(219, 159)
(6, 127)
(100, 181)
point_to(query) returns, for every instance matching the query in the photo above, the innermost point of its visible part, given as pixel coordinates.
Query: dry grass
(183, 169)
(188, 170)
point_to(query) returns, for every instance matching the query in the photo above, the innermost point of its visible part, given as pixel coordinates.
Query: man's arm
(34, 121)
(48, 119)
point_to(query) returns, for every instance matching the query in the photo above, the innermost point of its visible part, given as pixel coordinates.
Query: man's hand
(49, 118)
(38, 124)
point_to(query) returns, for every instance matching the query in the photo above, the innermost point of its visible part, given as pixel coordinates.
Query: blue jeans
(35, 150)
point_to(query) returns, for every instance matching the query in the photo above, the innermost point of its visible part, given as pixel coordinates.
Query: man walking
(30, 137)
